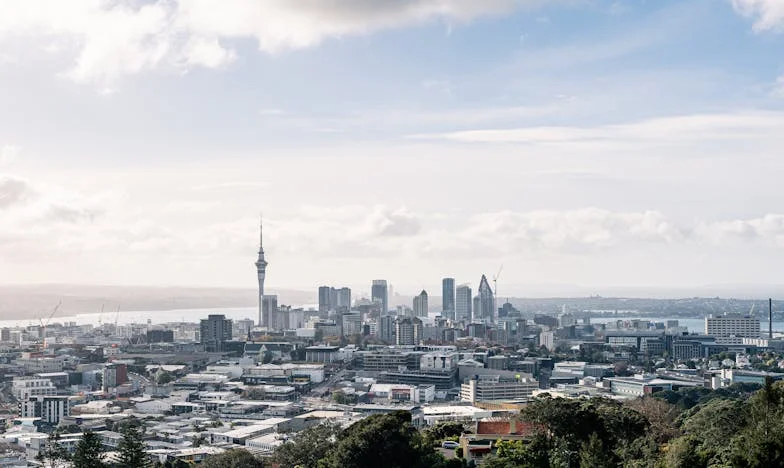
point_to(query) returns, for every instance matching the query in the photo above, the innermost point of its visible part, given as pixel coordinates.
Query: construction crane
(44, 324)
(495, 280)
(116, 318)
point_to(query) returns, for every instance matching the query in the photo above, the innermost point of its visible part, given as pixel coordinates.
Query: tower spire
(261, 233)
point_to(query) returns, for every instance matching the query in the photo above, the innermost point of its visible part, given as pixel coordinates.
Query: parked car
(449, 444)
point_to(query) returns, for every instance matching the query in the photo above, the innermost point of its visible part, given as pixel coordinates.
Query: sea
(693, 325)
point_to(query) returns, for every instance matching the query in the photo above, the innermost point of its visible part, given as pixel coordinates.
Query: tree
(683, 453)
(236, 458)
(88, 453)
(342, 398)
(594, 454)
(164, 378)
(131, 448)
(437, 433)
(256, 393)
(53, 452)
(306, 448)
(382, 441)
(661, 416)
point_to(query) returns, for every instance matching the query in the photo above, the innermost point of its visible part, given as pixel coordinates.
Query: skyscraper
(214, 331)
(486, 312)
(448, 297)
(408, 331)
(343, 299)
(325, 299)
(269, 311)
(386, 328)
(380, 294)
(333, 299)
(261, 272)
(463, 302)
(420, 304)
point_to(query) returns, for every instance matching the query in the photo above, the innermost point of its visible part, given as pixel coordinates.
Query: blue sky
(586, 142)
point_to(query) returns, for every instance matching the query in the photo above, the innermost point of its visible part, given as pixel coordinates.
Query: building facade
(379, 293)
(448, 298)
(732, 329)
(463, 302)
(408, 331)
(486, 312)
(421, 304)
(51, 409)
(215, 331)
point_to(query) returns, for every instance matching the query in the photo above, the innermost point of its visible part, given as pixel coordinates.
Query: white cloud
(24, 204)
(698, 127)
(125, 37)
(766, 228)
(9, 154)
(767, 14)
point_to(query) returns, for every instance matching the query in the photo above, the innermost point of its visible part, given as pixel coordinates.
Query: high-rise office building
(486, 312)
(420, 304)
(269, 311)
(448, 297)
(325, 299)
(334, 299)
(215, 330)
(379, 293)
(463, 302)
(731, 329)
(386, 328)
(343, 299)
(408, 331)
(261, 272)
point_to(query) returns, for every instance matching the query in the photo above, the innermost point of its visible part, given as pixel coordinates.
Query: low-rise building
(492, 388)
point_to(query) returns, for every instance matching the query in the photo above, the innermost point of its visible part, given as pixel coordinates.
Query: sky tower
(261, 270)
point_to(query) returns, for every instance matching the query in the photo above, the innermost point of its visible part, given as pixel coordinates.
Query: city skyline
(598, 144)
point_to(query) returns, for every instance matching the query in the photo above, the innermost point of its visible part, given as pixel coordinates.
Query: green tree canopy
(131, 448)
(306, 448)
(237, 458)
(88, 453)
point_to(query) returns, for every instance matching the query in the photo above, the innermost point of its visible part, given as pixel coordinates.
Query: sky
(575, 142)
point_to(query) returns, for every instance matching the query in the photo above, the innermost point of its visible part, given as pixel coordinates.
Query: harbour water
(694, 325)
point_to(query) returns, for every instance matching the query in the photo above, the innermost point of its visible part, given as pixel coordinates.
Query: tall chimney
(770, 318)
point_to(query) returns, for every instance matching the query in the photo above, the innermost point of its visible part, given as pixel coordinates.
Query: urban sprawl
(463, 375)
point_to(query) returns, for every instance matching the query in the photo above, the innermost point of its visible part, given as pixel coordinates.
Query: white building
(732, 329)
(439, 361)
(491, 388)
(51, 409)
(547, 339)
(26, 387)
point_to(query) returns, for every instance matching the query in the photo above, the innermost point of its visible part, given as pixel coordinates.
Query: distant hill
(25, 302)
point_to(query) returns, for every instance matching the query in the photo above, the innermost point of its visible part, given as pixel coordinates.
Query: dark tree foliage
(88, 453)
(53, 453)
(437, 433)
(382, 441)
(306, 448)
(131, 447)
(237, 458)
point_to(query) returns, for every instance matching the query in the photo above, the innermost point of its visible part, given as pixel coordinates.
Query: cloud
(697, 127)
(570, 231)
(111, 39)
(9, 154)
(24, 203)
(767, 14)
(14, 192)
(766, 228)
